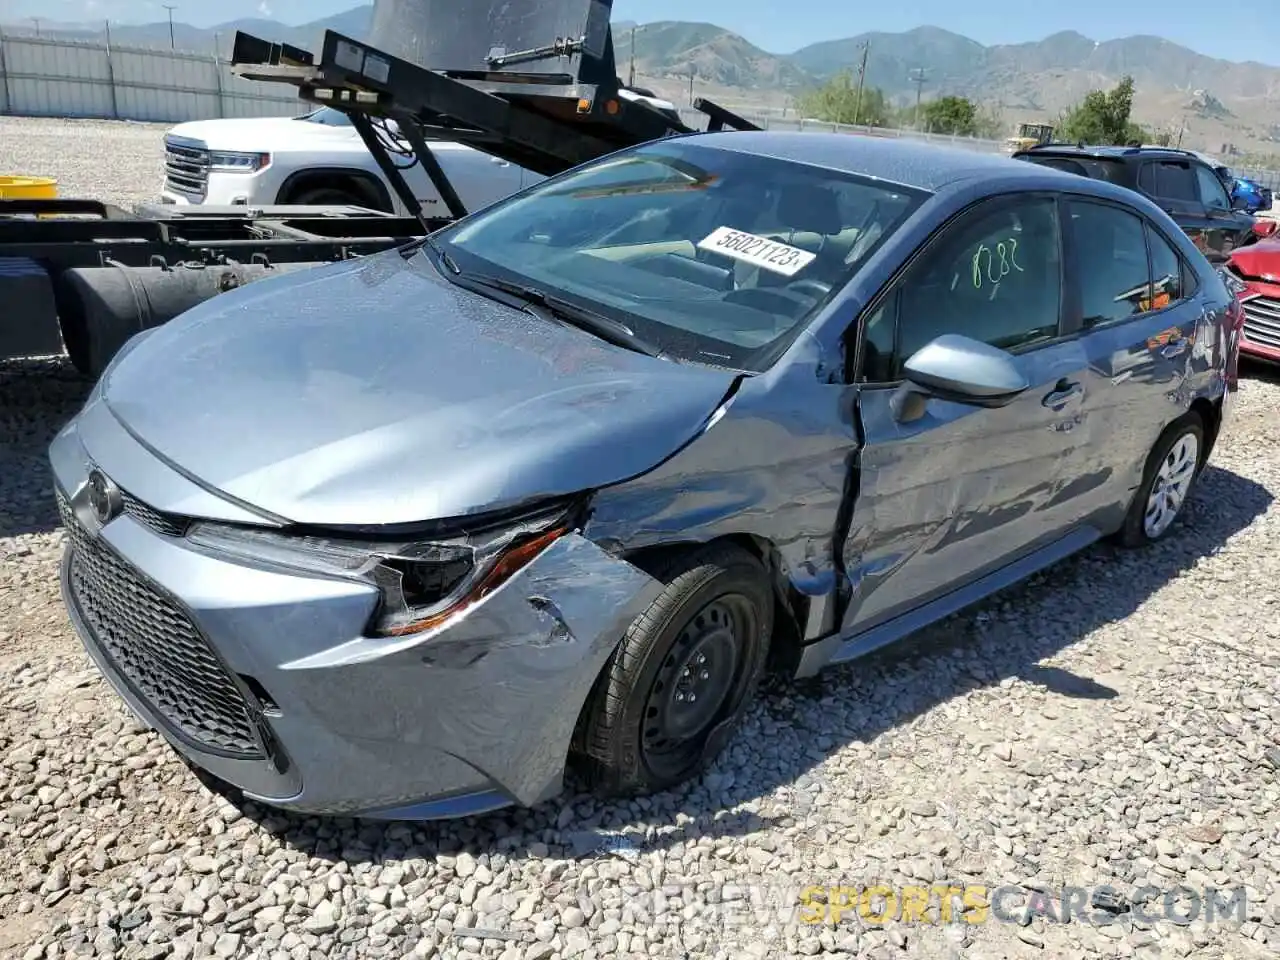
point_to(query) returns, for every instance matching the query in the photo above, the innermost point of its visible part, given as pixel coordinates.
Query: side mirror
(1239, 202)
(963, 370)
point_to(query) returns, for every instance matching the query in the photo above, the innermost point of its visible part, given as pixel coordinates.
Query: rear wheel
(673, 693)
(1167, 482)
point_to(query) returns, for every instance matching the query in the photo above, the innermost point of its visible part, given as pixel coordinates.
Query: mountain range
(1238, 102)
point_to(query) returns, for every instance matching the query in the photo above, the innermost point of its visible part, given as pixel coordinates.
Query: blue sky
(1230, 29)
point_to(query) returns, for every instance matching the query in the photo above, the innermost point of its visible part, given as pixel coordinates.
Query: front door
(950, 492)
(1222, 224)
(1172, 184)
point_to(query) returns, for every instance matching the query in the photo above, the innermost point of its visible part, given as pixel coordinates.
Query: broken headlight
(422, 583)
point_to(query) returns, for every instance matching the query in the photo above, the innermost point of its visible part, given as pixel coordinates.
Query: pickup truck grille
(186, 167)
(1262, 321)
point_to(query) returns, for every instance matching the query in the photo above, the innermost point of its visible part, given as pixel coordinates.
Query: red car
(1258, 265)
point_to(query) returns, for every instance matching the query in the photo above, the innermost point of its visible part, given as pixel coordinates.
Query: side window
(1112, 262)
(877, 341)
(1147, 179)
(1175, 181)
(994, 275)
(1166, 272)
(1212, 192)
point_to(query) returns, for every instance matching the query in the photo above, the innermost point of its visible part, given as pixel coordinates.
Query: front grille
(1262, 321)
(156, 648)
(162, 524)
(186, 167)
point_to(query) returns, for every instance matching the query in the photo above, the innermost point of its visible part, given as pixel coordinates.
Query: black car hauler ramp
(533, 82)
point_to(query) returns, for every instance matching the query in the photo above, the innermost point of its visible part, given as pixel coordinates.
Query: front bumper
(302, 711)
(227, 190)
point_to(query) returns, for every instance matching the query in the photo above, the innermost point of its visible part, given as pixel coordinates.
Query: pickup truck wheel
(1167, 482)
(328, 197)
(672, 695)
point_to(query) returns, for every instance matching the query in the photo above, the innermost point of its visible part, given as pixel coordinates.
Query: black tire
(718, 604)
(1134, 533)
(329, 197)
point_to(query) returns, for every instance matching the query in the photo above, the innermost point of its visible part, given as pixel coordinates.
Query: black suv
(1187, 188)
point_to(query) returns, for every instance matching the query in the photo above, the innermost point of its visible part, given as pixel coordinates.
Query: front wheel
(674, 691)
(1167, 482)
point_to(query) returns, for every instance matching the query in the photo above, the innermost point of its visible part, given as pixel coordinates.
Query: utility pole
(862, 79)
(919, 78)
(171, 7)
(36, 21)
(631, 76)
(693, 71)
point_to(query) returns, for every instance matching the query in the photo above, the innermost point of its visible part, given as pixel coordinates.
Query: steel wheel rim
(1171, 484)
(695, 683)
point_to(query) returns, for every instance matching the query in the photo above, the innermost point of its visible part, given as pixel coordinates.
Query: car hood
(375, 392)
(1260, 260)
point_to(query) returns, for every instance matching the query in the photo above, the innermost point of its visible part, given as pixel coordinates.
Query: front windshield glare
(715, 256)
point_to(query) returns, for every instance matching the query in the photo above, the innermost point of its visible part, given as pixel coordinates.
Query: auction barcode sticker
(763, 252)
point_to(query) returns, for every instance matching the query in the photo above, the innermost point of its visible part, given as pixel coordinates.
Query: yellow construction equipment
(16, 187)
(1028, 135)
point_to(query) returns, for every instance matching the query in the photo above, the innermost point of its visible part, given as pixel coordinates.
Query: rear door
(956, 491)
(1172, 183)
(1138, 323)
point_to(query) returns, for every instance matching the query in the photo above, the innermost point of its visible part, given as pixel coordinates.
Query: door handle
(1062, 394)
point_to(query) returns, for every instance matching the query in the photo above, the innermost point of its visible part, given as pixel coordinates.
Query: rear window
(1094, 168)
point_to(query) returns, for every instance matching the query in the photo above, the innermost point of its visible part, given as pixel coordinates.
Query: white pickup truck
(317, 159)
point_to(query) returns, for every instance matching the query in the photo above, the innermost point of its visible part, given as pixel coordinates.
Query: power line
(862, 79)
(171, 7)
(919, 76)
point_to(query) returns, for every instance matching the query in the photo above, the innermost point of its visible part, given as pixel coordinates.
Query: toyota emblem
(104, 497)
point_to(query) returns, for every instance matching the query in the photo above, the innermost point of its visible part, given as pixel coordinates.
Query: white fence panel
(170, 88)
(252, 98)
(57, 78)
(62, 78)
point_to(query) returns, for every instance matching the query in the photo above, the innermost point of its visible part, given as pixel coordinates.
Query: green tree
(1102, 118)
(957, 116)
(837, 101)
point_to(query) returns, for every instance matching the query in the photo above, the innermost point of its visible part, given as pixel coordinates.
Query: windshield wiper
(606, 328)
(413, 246)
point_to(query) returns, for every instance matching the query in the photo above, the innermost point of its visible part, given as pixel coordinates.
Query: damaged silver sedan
(410, 536)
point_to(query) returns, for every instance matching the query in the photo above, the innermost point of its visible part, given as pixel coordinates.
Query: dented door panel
(962, 490)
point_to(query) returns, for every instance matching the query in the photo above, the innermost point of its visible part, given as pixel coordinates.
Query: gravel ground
(121, 163)
(1115, 723)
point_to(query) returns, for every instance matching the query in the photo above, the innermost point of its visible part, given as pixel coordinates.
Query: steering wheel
(770, 300)
(810, 288)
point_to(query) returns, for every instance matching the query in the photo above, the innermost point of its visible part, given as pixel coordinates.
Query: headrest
(804, 206)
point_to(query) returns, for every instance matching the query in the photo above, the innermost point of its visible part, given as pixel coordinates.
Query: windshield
(711, 255)
(328, 116)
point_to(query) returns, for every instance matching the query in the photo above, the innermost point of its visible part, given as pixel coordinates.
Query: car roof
(1113, 152)
(911, 163)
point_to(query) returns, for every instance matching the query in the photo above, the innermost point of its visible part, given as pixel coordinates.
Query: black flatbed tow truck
(533, 82)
